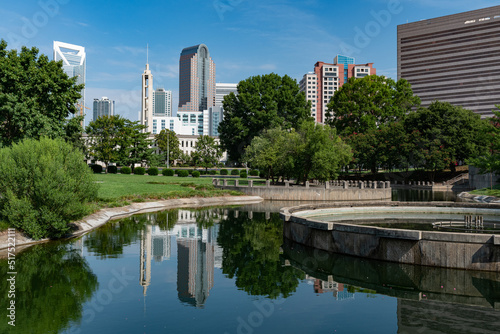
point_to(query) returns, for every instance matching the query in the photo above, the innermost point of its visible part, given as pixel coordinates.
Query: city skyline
(245, 38)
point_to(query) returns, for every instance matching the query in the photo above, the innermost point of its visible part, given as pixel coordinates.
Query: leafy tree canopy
(207, 152)
(263, 102)
(36, 96)
(168, 143)
(369, 103)
(447, 134)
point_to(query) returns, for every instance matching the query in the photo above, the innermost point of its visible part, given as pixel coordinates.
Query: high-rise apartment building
(453, 58)
(74, 61)
(103, 107)
(196, 79)
(320, 85)
(162, 103)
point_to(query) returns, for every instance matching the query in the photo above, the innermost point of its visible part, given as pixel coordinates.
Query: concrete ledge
(101, 217)
(440, 249)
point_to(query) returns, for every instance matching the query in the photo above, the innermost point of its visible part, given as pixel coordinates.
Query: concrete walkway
(101, 217)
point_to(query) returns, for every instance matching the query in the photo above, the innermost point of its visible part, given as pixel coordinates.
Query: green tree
(447, 134)
(489, 161)
(136, 147)
(370, 103)
(36, 96)
(108, 138)
(321, 153)
(263, 102)
(273, 152)
(207, 152)
(44, 186)
(167, 141)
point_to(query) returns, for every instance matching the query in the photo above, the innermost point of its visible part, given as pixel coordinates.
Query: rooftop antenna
(147, 53)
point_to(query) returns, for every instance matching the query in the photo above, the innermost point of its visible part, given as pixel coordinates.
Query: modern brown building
(453, 58)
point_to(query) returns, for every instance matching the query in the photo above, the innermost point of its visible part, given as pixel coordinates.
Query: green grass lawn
(120, 189)
(487, 191)
(118, 185)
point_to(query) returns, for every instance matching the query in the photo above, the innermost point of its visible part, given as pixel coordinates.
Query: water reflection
(52, 283)
(438, 299)
(424, 195)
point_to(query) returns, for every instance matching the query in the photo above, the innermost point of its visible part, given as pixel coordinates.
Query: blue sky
(244, 37)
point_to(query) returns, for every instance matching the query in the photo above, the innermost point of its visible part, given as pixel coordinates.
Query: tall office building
(320, 85)
(453, 58)
(162, 103)
(103, 107)
(196, 79)
(223, 89)
(74, 61)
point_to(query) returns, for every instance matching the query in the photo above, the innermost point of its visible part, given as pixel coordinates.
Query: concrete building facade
(453, 58)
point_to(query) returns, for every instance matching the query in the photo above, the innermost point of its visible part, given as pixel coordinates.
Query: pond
(228, 270)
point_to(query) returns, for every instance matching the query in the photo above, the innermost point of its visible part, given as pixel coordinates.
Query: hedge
(139, 170)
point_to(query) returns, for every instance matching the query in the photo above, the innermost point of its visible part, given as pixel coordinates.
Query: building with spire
(147, 98)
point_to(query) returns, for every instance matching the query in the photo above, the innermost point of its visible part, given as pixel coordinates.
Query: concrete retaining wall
(480, 181)
(438, 249)
(313, 193)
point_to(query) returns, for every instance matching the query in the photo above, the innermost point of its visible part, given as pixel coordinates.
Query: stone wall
(480, 181)
(376, 191)
(439, 249)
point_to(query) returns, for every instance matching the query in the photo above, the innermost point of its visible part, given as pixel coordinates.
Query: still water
(228, 270)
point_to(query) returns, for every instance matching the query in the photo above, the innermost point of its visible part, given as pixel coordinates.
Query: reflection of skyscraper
(195, 264)
(160, 241)
(146, 253)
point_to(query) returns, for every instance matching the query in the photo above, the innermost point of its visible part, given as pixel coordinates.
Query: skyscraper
(162, 103)
(103, 107)
(74, 61)
(320, 85)
(453, 58)
(196, 79)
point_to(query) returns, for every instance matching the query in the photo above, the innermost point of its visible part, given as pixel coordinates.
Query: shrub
(262, 175)
(139, 170)
(213, 172)
(183, 173)
(125, 170)
(254, 172)
(196, 173)
(96, 168)
(202, 172)
(112, 169)
(243, 174)
(153, 171)
(235, 172)
(45, 185)
(177, 171)
(223, 172)
(190, 171)
(167, 172)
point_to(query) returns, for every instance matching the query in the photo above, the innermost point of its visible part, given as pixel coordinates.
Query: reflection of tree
(251, 254)
(52, 284)
(207, 218)
(109, 240)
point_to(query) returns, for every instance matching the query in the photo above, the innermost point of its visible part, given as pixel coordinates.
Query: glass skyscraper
(103, 107)
(196, 79)
(162, 103)
(74, 61)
